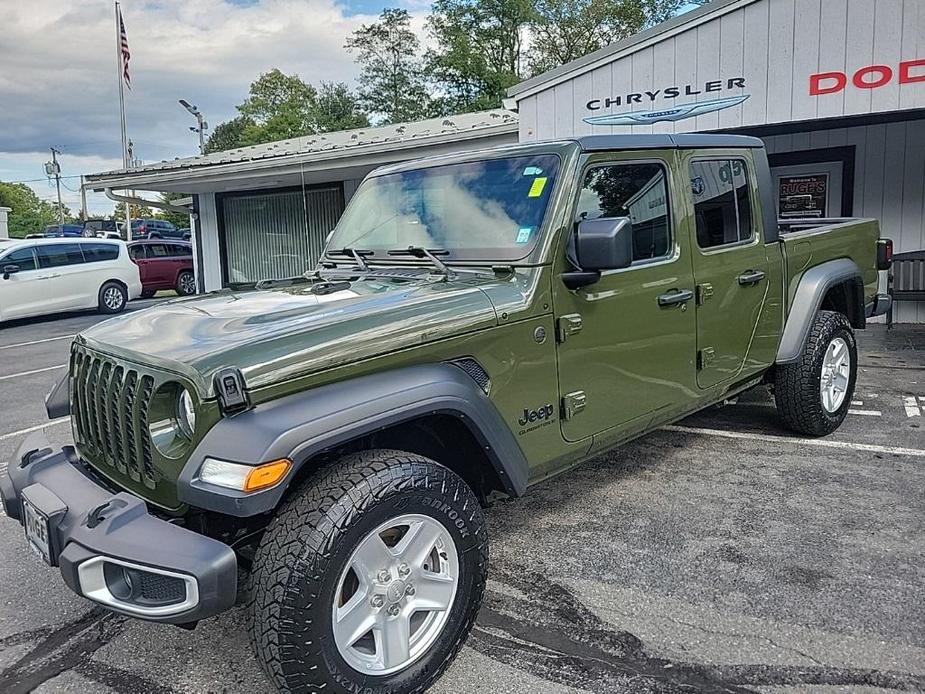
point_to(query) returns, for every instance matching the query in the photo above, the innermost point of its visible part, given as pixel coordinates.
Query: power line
(37, 180)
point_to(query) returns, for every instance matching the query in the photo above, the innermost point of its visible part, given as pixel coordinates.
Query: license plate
(37, 530)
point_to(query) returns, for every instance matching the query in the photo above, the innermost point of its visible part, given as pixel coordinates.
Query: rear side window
(176, 249)
(157, 250)
(59, 255)
(23, 257)
(722, 203)
(96, 252)
(638, 191)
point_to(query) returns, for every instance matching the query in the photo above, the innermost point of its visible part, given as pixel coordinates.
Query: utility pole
(201, 125)
(53, 168)
(83, 200)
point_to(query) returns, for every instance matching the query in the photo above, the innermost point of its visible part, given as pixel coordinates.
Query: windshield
(484, 210)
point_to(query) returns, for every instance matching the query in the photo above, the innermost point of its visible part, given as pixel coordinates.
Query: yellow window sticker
(536, 190)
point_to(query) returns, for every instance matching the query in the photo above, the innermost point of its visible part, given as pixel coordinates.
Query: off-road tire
(306, 546)
(797, 385)
(106, 304)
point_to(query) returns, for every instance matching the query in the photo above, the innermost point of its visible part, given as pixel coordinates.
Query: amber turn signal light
(266, 475)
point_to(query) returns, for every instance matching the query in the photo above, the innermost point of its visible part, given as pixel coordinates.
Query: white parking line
(12, 434)
(34, 371)
(912, 406)
(37, 342)
(869, 413)
(822, 443)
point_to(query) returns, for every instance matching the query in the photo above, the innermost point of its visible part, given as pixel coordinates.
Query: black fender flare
(813, 286)
(301, 425)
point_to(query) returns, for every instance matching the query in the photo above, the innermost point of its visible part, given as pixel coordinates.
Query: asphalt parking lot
(718, 555)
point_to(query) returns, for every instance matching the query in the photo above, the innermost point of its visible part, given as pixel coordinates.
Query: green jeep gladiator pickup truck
(324, 446)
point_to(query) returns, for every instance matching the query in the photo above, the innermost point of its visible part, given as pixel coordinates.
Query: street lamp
(200, 127)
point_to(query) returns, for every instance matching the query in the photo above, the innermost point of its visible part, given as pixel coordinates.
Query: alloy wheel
(393, 599)
(836, 374)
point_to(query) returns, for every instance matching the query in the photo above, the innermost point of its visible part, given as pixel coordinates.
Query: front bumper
(97, 538)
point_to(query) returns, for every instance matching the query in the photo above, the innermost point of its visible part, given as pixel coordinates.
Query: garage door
(276, 234)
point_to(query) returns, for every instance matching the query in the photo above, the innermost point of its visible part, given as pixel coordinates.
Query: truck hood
(277, 334)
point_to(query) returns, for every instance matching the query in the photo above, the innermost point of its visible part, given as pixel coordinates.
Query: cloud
(58, 85)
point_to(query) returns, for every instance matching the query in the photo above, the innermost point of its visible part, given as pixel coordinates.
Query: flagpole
(120, 72)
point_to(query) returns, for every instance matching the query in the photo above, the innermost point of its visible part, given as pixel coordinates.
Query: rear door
(626, 342)
(160, 264)
(730, 265)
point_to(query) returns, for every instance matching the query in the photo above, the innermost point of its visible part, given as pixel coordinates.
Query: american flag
(123, 49)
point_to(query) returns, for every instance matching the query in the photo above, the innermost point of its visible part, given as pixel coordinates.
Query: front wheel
(112, 298)
(370, 577)
(813, 394)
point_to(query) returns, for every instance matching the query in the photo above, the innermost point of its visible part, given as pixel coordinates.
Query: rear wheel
(112, 298)
(370, 577)
(186, 283)
(813, 394)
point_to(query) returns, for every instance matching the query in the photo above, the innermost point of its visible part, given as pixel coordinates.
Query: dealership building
(835, 88)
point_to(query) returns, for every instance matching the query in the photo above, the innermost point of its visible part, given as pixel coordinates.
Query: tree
(564, 30)
(279, 107)
(388, 51)
(178, 219)
(478, 55)
(336, 108)
(228, 135)
(137, 212)
(29, 214)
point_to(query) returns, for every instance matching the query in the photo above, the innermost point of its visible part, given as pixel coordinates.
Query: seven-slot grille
(109, 409)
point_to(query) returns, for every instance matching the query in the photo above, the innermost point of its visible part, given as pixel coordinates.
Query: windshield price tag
(524, 234)
(536, 190)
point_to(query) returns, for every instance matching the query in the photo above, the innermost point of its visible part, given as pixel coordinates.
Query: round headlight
(186, 413)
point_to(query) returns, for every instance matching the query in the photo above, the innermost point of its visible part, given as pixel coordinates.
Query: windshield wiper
(355, 253)
(431, 255)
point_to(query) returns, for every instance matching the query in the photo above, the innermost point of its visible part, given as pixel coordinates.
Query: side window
(136, 252)
(638, 191)
(178, 250)
(157, 250)
(59, 255)
(96, 252)
(722, 204)
(23, 257)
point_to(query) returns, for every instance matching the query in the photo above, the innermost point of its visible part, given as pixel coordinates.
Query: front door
(21, 293)
(626, 342)
(730, 266)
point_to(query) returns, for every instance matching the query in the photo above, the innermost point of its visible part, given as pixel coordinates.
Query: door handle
(751, 277)
(48, 277)
(676, 296)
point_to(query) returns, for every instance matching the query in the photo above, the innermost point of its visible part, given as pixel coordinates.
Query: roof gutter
(133, 200)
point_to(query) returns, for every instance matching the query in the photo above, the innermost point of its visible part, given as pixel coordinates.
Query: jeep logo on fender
(544, 412)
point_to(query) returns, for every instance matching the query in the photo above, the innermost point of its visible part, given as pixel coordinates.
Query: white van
(39, 276)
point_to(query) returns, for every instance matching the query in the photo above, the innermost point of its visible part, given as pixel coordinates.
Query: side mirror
(9, 270)
(600, 244)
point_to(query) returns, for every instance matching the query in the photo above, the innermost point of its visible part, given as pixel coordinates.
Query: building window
(722, 204)
(276, 235)
(638, 191)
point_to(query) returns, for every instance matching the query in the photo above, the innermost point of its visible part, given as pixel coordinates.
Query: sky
(58, 74)
(59, 84)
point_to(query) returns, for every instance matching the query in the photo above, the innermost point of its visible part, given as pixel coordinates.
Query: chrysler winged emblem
(697, 108)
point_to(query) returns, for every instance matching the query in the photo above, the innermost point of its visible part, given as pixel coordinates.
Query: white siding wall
(211, 270)
(889, 182)
(774, 44)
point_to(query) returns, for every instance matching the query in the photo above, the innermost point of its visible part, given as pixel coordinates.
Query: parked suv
(157, 229)
(479, 322)
(53, 275)
(164, 265)
(104, 228)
